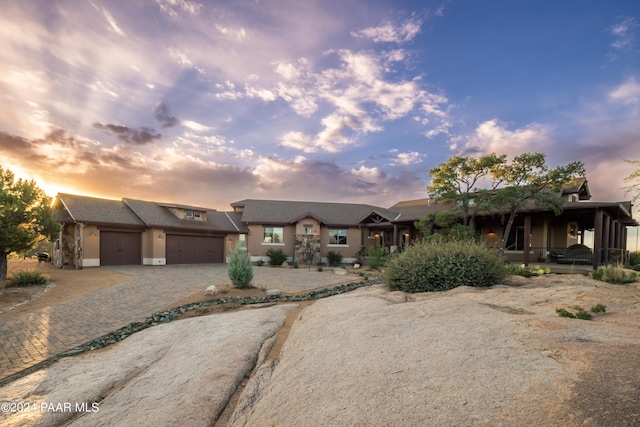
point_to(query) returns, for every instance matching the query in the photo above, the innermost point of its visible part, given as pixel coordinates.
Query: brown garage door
(183, 249)
(120, 248)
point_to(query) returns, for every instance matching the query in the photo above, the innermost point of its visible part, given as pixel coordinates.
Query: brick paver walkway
(31, 338)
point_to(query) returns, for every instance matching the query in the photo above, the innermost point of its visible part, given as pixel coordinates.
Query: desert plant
(613, 274)
(334, 258)
(276, 257)
(377, 256)
(240, 269)
(581, 313)
(442, 265)
(522, 270)
(28, 277)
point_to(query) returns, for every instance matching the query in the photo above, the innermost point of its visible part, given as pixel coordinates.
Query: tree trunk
(507, 231)
(3, 266)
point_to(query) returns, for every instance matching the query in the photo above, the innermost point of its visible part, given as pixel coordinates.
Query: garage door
(183, 249)
(120, 248)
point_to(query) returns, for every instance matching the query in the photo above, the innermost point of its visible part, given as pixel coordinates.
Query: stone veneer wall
(307, 249)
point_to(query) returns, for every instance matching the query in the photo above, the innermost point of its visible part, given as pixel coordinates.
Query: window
(273, 235)
(196, 214)
(242, 242)
(308, 228)
(337, 237)
(188, 213)
(515, 242)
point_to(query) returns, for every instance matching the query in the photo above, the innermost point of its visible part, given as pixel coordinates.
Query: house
(116, 232)
(99, 232)
(307, 231)
(561, 238)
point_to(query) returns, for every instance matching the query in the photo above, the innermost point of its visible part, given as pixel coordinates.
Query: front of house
(134, 232)
(307, 231)
(102, 232)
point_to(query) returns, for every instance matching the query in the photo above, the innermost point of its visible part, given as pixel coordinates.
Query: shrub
(28, 277)
(581, 313)
(240, 269)
(441, 265)
(276, 257)
(613, 274)
(334, 258)
(377, 256)
(634, 258)
(522, 270)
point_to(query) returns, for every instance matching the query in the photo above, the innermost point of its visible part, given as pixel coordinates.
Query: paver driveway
(31, 338)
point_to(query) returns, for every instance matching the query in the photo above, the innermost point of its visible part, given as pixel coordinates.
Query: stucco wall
(258, 249)
(91, 246)
(154, 247)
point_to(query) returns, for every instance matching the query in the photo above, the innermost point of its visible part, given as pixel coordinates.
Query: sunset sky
(212, 102)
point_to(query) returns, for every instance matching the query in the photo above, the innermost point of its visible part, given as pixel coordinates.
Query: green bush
(441, 265)
(522, 270)
(634, 258)
(239, 268)
(334, 258)
(613, 274)
(28, 277)
(377, 256)
(581, 313)
(276, 257)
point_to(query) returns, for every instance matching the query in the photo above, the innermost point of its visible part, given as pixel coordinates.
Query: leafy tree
(634, 179)
(490, 183)
(527, 179)
(26, 217)
(458, 179)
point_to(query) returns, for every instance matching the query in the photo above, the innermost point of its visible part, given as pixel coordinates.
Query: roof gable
(255, 211)
(95, 210)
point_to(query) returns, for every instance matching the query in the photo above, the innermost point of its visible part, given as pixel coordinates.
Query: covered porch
(584, 234)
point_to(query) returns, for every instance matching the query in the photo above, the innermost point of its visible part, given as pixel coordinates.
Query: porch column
(623, 235)
(618, 235)
(597, 238)
(613, 234)
(395, 235)
(526, 241)
(606, 229)
(361, 236)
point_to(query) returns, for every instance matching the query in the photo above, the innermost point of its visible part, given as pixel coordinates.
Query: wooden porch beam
(526, 242)
(606, 228)
(597, 238)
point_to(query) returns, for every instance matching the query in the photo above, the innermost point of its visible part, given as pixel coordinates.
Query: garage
(120, 248)
(186, 249)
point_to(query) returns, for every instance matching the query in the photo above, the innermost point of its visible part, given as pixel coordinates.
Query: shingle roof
(158, 215)
(95, 210)
(287, 212)
(140, 213)
(413, 210)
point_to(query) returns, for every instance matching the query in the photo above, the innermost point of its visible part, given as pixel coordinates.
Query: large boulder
(469, 356)
(180, 373)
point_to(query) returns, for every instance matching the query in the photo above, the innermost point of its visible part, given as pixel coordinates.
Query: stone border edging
(167, 316)
(49, 286)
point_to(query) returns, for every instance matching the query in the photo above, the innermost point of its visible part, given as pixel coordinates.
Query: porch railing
(561, 255)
